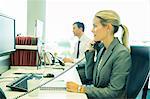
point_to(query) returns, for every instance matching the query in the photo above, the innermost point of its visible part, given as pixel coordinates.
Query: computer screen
(7, 34)
(39, 30)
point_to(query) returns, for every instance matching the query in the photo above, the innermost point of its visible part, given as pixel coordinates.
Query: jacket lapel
(108, 53)
(105, 58)
(97, 63)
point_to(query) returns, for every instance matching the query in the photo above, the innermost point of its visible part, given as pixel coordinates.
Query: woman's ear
(109, 27)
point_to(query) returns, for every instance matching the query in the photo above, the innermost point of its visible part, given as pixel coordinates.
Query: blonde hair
(110, 16)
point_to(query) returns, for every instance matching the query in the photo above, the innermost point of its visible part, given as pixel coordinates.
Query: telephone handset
(54, 59)
(98, 45)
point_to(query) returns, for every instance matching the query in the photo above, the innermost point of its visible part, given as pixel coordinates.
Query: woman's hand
(72, 87)
(90, 45)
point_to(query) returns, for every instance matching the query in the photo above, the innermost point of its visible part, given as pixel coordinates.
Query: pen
(58, 68)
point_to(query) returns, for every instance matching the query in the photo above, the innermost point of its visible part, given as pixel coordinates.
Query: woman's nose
(92, 30)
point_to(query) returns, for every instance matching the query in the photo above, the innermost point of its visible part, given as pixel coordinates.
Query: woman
(111, 68)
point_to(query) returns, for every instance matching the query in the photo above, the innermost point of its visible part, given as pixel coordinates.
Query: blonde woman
(110, 70)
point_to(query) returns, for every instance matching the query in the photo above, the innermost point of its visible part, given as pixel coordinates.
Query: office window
(18, 10)
(61, 14)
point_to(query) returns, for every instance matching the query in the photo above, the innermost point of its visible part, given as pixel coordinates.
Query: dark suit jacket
(112, 72)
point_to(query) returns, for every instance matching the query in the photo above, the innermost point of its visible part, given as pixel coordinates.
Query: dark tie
(78, 49)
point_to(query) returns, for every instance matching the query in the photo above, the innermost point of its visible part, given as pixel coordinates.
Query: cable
(49, 80)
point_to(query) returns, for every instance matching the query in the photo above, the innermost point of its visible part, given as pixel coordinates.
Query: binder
(23, 57)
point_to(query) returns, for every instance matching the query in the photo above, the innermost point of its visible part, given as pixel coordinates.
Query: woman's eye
(94, 25)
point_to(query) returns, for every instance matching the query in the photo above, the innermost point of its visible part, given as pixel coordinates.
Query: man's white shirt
(84, 40)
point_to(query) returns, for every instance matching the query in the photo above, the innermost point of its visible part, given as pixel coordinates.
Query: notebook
(58, 85)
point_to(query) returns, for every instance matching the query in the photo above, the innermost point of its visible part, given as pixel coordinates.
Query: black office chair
(139, 73)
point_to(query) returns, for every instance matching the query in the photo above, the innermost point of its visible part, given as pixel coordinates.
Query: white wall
(35, 11)
(16, 9)
(60, 15)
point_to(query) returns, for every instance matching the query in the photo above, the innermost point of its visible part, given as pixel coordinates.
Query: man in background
(79, 49)
(80, 46)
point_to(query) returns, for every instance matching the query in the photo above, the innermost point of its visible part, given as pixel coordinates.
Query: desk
(71, 75)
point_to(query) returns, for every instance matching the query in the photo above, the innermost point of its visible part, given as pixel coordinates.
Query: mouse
(49, 75)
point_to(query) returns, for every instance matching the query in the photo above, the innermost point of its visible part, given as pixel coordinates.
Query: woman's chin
(96, 40)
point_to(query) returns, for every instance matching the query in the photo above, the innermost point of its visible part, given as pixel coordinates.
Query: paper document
(57, 85)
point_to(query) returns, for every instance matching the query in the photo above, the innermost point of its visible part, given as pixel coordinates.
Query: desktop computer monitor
(7, 35)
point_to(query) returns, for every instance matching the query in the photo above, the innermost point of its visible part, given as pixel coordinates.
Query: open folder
(58, 85)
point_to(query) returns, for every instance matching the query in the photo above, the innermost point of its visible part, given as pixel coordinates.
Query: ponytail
(125, 37)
